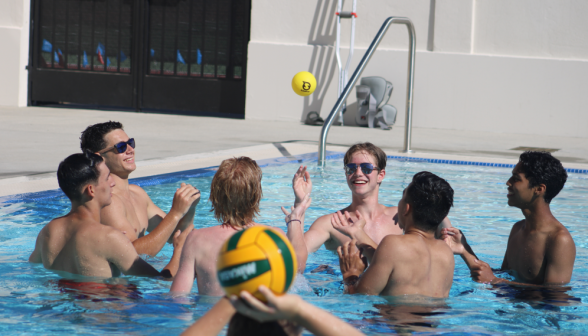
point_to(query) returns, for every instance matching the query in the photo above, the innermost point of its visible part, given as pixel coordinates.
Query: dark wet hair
(93, 136)
(241, 325)
(431, 197)
(369, 148)
(76, 171)
(543, 168)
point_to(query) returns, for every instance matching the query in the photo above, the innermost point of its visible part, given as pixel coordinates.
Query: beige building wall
(14, 39)
(498, 65)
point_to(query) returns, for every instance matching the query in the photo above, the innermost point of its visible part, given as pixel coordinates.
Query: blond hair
(235, 191)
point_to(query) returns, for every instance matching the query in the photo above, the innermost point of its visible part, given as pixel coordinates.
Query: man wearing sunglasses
(365, 169)
(131, 210)
(77, 243)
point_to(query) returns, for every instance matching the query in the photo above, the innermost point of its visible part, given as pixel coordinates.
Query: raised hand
(283, 307)
(481, 272)
(301, 184)
(452, 236)
(299, 210)
(185, 198)
(343, 223)
(350, 259)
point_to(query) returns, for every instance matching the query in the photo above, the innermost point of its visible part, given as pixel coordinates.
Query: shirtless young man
(235, 193)
(132, 211)
(77, 243)
(365, 169)
(415, 263)
(540, 249)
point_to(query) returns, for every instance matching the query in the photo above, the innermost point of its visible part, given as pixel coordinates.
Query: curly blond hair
(235, 191)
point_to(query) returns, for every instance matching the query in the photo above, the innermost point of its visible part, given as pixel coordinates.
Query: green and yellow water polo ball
(256, 256)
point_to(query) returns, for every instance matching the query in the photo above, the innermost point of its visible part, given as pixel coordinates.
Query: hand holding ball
(256, 256)
(303, 83)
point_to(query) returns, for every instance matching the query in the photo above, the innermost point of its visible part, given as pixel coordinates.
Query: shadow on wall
(322, 64)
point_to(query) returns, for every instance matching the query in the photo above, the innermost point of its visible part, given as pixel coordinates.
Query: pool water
(34, 300)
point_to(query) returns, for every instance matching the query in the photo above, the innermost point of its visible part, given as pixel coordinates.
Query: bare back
(409, 264)
(81, 247)
(199, 258)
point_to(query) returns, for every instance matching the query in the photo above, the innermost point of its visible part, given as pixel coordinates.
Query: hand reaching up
(298, 211)
(452, 236)
(343, 223)
(185, 199)
(301, 184)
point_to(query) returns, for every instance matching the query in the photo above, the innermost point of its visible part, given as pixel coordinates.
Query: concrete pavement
(35, 139)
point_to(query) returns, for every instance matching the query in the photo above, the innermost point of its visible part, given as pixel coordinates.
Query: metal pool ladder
(366, 58)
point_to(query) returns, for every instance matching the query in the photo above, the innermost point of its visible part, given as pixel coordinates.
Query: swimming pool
(36, 301)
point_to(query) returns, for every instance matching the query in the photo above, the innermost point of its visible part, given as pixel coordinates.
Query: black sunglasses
(120, 147)
(366, 167)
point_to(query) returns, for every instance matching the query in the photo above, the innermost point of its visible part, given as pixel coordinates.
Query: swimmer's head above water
(235, 191)
(538, 169)
(79, 171)
(365, 168)
(110, 141)
(430, 198)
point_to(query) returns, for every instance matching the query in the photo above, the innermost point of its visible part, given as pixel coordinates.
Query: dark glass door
(174, 56)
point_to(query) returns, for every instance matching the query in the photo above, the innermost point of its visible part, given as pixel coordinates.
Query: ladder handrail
(368, 55)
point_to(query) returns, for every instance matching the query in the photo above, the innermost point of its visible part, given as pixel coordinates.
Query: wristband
(293, 220)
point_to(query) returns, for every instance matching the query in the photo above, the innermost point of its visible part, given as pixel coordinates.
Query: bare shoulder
(518, 226)
(395, 244)
(561, 236)
(391, 210)
(139, 192)
(442, 248)
(323, 222)
(207, 236)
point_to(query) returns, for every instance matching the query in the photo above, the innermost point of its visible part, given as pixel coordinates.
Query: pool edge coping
(267, 154)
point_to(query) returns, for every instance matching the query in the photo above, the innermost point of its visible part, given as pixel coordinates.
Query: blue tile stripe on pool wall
(209, 171)
(472, 163)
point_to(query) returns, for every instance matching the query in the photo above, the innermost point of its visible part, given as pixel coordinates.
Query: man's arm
(292, 308)
(184, 279)
(185, 198)
(295, 227)
(375, 278)
(318, 233)
(343, 223)
(179, 239)
(121, 253)
(213, 322)
(459, 245)
(560, 257)
(37, 255)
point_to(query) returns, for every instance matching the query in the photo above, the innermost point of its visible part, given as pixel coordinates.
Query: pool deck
(36, 139)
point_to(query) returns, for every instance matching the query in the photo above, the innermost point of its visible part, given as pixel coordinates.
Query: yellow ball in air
(303, 83)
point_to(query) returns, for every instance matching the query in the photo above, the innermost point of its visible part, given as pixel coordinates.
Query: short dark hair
(93, 136)
(431, 197)
(543, 168)
(76, 171)
(369, 148)
(243, 326)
